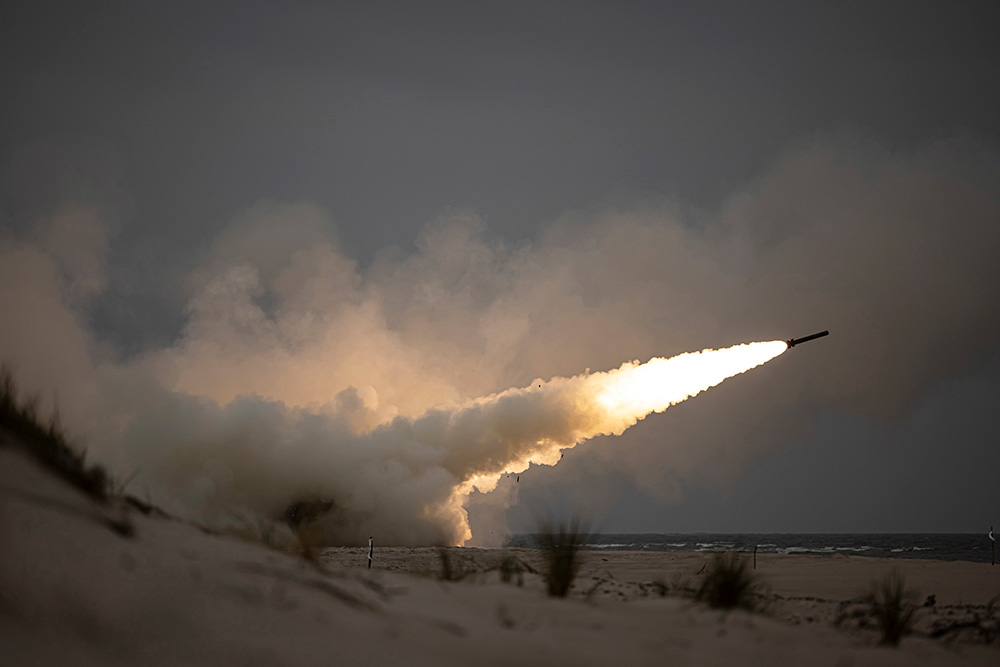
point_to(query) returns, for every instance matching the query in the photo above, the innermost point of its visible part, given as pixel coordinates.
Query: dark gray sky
(838, 160)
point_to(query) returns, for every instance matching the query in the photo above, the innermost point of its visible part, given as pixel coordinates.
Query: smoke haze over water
(302, 372)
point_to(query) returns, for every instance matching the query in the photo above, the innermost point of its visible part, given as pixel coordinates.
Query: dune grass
(47, 442)
(894, 607)
(561, 544)
(452, 569)
(511, 569)
(728, 583)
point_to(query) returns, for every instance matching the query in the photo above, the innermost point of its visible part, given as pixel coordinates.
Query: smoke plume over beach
(391, 387)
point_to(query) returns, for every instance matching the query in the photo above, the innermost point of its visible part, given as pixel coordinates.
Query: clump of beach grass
(47, 442)
(449, 570)
(253, 528)
(511, 568)
(728, 583)
(561, 544)
(894, 607)
(456, 565)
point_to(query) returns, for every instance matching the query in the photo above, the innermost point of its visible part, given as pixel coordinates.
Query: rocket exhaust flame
(531, 425)
(636, 390)
(563, 412)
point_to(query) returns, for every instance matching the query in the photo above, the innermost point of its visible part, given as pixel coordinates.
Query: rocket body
(795, 341)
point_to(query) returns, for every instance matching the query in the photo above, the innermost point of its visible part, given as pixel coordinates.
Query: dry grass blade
(561, 545)
(48, 443)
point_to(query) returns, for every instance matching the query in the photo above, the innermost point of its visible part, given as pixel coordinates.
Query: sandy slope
(74, 590)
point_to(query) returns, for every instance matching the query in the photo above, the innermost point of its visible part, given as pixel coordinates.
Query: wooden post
(993, 548)
(371, 548)
(755, 556)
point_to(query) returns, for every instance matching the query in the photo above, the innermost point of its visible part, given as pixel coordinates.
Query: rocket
(792, 342)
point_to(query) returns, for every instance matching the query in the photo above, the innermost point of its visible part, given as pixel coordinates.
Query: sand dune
(75, 588)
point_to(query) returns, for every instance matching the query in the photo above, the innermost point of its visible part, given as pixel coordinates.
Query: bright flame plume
(518, 427)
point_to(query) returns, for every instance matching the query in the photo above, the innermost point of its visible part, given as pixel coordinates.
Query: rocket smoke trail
(508, 431)
(407, 480)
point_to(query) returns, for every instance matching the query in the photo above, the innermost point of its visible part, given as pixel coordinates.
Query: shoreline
(957, 601)
(834, 577)
(956, 546)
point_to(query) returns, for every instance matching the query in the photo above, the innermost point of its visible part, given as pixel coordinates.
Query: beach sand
(77, 589)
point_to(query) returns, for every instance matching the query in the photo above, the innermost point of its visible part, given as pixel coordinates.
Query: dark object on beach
(456, 565)
(893, 606)
(993, 548)
(561, 545)
(930, 601)
(792, 342)
(306, 510)
(755, 556)
(727, 584)
(511, 567)
(371, 550)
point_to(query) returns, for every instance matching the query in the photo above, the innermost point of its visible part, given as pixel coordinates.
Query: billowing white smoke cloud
(300, 374)
(406, 479)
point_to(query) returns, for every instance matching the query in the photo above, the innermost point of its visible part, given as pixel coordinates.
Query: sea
(974, 547)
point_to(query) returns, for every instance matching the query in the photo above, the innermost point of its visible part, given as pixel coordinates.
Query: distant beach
(973, 547)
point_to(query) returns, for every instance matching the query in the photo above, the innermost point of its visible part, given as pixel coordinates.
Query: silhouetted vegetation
(893, 605)
(450, 571)
(511, 569)
(561, 545)
(47, 442)
(728, 583)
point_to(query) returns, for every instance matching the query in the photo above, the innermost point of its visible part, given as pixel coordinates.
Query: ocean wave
(809, 550)
(610, 546)
(714, 546)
